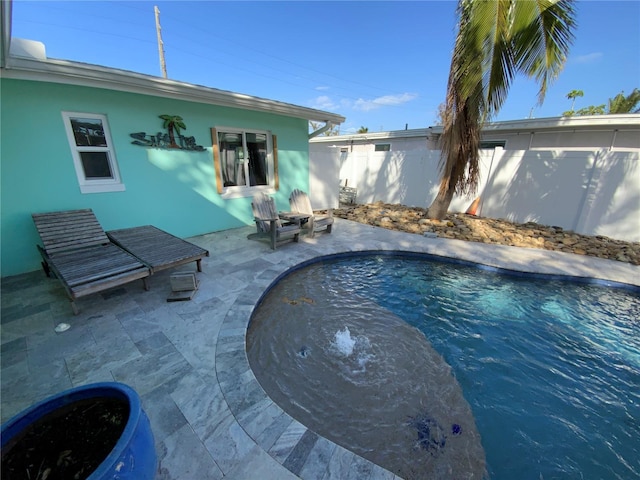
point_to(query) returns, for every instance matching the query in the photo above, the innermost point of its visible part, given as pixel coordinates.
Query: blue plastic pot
(133, 456)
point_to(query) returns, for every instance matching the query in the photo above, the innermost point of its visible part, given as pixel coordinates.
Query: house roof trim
(618, 121)
(565, 123)
(376, 136)
(84, 74)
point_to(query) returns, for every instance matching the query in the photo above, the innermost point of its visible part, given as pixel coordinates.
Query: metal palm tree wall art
(170, 140)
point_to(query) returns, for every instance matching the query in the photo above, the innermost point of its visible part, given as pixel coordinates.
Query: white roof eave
(375, 136)
(626, 121)
(82, 74)
(565, 123)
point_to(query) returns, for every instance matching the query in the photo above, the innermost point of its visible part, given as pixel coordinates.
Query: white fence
(591, 192)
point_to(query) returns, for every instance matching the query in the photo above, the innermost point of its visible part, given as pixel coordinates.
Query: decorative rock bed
(488, 230)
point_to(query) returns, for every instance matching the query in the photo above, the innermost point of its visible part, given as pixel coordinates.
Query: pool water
(550, 369)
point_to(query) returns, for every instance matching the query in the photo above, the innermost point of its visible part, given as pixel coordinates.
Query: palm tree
(590, 110)
(622, 104)
(171, 123)
(572, 96)
(363, 130)
(495, 41)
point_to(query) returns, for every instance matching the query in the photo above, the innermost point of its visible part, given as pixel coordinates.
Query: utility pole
(163, 65)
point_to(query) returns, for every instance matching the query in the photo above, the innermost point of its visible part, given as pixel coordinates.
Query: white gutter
(320, 131)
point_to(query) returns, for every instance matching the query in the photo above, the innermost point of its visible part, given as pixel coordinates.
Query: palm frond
(459, 166)
(542, 36)
(498, 67)
(622, 104)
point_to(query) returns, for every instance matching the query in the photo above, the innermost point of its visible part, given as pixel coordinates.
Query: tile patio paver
(187, 360)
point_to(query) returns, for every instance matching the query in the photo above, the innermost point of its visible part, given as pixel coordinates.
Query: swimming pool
(550, 369)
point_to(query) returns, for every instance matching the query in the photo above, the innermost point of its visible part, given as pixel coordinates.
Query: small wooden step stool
(184, 286)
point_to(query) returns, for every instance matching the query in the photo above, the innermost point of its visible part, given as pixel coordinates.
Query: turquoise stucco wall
(174, 190)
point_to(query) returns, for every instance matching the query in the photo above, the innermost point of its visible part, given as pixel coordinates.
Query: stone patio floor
(187, 360)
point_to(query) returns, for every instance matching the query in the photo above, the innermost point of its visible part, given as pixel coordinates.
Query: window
(93, 154)
(492, 144)
(245, 161)
(383, 147)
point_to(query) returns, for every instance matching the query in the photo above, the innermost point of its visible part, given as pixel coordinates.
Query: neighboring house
(83, 136)
(620, 132)
(580, 173)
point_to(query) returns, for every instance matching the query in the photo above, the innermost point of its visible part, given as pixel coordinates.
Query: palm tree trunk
(172, 137)
(440, 205)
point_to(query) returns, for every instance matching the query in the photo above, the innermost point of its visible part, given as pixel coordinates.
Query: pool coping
(303, 452)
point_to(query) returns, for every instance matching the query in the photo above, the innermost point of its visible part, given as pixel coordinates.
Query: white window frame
(239, 191)
(88, 185)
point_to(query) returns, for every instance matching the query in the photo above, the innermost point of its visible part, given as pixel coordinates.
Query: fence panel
(595, 192)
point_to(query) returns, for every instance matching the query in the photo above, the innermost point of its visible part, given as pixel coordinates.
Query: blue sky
(382, 65)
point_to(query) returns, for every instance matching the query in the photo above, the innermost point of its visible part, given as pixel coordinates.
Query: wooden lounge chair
(269, 224)
(299, 202)
(156, 248)
(77, 250)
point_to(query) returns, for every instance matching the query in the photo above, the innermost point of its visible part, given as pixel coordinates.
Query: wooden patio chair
(269, 224)
(299, 202)
(78, 251)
